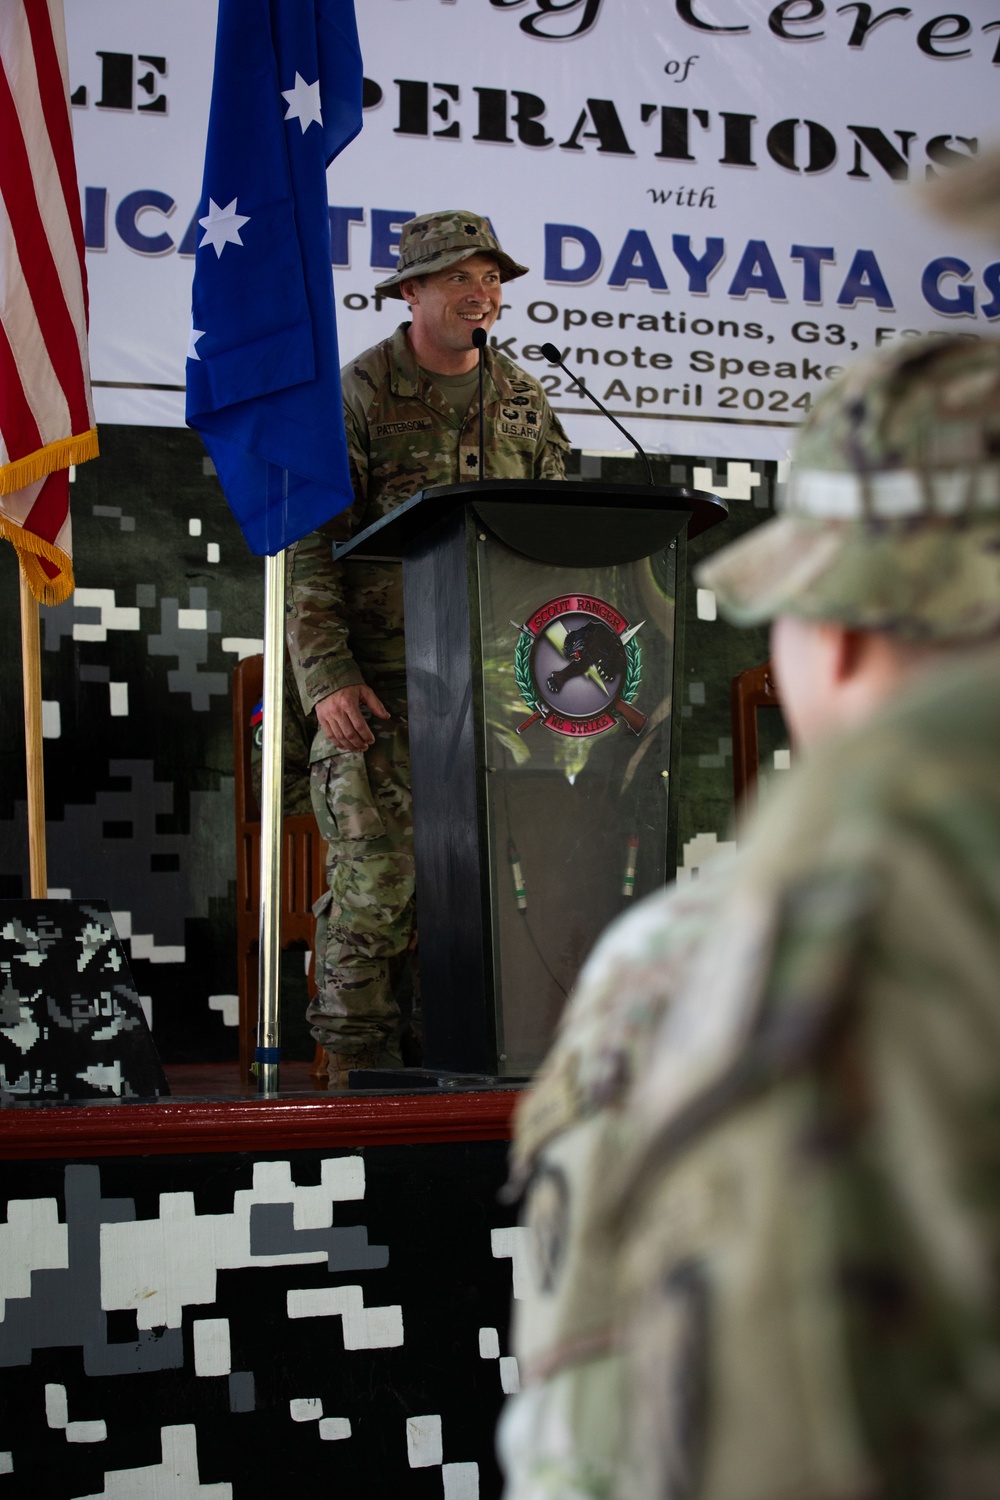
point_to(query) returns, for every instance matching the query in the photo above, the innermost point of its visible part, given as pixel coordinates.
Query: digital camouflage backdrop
(136, 683)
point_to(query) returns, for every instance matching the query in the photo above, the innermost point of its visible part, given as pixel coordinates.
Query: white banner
(715, 197)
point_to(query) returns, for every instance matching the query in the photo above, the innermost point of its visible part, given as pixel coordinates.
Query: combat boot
(339, 1064)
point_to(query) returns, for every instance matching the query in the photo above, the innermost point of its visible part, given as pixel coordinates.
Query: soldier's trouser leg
(296, 736)
(363, 807)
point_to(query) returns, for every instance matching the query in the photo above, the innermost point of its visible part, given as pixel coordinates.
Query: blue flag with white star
(263, 368)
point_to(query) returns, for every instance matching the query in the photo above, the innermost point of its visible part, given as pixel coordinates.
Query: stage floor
(222, 1081)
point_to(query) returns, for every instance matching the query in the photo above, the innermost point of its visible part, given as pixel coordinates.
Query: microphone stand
(479, 342)
(553, 356)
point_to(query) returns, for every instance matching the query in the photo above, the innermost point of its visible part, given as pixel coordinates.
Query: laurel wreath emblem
(526, 686)
(522, 671)
(633, 670)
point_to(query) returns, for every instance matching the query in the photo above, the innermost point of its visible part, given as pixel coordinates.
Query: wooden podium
(542, 648)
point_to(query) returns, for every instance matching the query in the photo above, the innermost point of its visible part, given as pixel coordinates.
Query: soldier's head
(450, 271)
(887, 549)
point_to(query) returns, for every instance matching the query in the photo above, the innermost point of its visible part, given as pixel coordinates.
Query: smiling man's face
(446, 307)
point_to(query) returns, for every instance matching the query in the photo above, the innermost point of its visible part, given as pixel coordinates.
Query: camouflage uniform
(813, 1230)
(297, 731)
(794, 1194)
(345, 626)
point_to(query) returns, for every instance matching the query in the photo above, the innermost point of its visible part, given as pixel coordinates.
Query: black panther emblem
(592, 645)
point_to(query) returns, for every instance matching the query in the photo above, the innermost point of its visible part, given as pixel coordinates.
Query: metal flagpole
(268, 1017)
(31, 671)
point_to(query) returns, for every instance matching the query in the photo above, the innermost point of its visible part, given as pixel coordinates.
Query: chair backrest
(303, 854)
(248, 684)
(750, 690)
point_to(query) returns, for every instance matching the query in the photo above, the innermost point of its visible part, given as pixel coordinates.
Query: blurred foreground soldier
(799, 1256)
(560, 1437)
(411, 406)
(811, 1211)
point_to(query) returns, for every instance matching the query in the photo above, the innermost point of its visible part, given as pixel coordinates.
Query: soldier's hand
(342, 720)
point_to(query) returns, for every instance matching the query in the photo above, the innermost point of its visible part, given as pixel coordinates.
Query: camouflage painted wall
(138, 747)
(227, 1327)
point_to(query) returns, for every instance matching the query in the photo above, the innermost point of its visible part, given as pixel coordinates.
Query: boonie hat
(890, 520)
(433, 242)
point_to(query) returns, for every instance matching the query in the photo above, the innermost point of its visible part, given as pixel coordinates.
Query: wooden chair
(303, 873)
(753, 689)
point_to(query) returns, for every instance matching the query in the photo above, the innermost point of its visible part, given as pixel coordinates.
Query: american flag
(46, 412)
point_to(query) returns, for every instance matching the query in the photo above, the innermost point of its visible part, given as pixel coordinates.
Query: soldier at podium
(411, 408)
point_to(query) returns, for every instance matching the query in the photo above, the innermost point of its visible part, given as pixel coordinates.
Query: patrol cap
(890, 520)
(433, 242)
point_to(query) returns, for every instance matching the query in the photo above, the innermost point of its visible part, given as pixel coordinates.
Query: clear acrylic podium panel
(576, 799)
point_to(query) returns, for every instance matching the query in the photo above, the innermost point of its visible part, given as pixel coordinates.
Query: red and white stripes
(46, 412)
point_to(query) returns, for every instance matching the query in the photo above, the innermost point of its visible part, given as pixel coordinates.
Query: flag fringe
(30, 548)
(75, 449)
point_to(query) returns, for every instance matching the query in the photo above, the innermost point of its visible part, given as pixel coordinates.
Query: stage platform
(235, 1295)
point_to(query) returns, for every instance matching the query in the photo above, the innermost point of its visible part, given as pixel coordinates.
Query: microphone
(552, 355)
(479, 342)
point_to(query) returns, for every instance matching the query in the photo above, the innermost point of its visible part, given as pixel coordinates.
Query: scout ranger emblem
(578, 666)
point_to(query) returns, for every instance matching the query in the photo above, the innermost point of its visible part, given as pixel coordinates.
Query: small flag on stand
(46, 413)
(263, 369)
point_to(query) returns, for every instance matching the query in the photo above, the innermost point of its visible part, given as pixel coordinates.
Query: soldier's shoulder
(954, 710)
(366, 371)
(926, 759)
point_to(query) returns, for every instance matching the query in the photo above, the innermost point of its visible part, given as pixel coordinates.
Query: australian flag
(263, 368)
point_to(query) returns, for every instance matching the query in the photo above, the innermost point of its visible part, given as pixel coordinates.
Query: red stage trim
(254, 1125)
